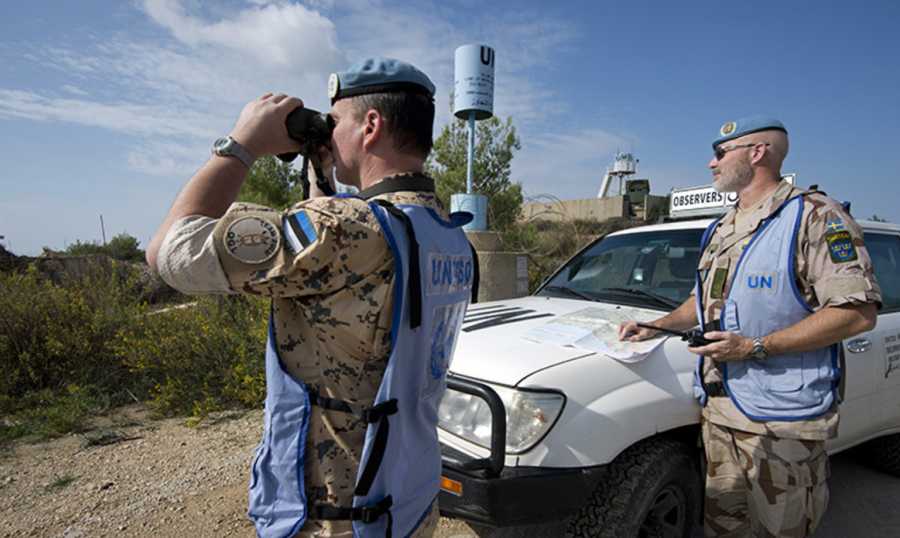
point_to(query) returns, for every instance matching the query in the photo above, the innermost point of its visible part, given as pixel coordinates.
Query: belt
(716, 388)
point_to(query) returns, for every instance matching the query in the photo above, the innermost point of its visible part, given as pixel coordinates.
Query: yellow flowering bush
(201, 357)
(56, 334)
(71, 347)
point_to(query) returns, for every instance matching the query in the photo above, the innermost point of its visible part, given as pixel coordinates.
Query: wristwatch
(229, 147)
(759, 350)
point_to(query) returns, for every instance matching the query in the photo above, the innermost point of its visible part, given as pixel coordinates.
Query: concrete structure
(503, 274)
(598, 209)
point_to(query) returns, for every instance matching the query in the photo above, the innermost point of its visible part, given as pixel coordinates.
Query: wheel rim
(666, 517)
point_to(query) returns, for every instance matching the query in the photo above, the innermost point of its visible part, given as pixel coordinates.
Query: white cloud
(71, 61)
(167, 158)
(74, 90)
(191, 85)
(129, 118)
(275, 35)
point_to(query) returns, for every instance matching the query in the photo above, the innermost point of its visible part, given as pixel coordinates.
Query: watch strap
(232, 148)
(759, 349)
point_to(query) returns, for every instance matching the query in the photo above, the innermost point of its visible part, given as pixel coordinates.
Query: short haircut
(410, 118)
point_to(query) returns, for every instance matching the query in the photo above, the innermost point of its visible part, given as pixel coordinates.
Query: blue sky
(108, 107)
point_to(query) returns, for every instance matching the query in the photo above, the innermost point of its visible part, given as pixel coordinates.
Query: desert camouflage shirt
(822, 282)
(331, 288)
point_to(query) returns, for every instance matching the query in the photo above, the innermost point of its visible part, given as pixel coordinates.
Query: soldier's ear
(373, 128)
(760, 153)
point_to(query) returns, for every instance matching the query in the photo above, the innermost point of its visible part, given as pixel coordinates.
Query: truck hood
(491, 346)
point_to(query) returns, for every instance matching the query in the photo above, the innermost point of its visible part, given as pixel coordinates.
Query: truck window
(661, 262)
(884, 250)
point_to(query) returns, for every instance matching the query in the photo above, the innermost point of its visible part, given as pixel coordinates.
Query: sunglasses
(722, 150)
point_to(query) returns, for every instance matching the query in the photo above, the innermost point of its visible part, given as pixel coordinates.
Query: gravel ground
(154, 478)
(161, 478)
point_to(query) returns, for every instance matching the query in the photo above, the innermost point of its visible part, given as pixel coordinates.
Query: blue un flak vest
(764, 299)
(399, 472)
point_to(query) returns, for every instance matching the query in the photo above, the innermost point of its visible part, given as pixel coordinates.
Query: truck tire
(883, 454)
(653, 489)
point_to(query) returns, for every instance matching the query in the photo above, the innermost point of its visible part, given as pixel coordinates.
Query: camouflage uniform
(332, 307)
(761, 485)
(774, 473)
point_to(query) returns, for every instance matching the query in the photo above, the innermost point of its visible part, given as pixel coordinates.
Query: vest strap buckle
(371, 513)
(367, 514)
(368, 414)
(377, 412)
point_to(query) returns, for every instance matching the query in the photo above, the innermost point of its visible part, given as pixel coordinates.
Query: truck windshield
(653, 269)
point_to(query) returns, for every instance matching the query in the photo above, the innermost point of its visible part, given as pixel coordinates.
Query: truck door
(865, 408)
(884, 249)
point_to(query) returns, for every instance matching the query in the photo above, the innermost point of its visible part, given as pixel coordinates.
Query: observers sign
(704, 201)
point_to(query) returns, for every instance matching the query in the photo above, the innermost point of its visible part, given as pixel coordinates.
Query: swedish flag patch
(299, 231)
(835, 225)
(840, 246)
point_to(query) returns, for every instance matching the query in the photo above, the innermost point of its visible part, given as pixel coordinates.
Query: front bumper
(488, 493)
(519, 495)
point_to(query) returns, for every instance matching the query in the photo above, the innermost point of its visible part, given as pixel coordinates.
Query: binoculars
(312, 129)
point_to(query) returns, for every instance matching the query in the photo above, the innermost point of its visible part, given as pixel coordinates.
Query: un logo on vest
(760, 282)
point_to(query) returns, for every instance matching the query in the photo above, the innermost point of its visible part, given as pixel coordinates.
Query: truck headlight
(529, 415)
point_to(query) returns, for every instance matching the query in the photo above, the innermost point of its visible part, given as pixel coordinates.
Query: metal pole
(471, 151)
(102, 229)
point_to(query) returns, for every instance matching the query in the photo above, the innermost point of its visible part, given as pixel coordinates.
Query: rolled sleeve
(187, 258)
(315, 248)
(837, 279)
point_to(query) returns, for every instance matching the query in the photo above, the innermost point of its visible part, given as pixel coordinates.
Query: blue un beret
(736, 129)
(378, 75)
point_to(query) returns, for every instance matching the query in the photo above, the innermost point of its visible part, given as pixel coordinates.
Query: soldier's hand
(629, 331)
(261, 128)
(728, 346)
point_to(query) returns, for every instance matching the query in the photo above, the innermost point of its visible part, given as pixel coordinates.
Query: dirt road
(153, 478)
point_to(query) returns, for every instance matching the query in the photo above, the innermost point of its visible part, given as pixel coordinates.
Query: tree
(121, 247)
(876, 218)
(495, 145)
(125, 247)
(272, 183)
(79, 248)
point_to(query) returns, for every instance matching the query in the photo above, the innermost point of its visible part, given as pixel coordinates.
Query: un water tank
(473, 87)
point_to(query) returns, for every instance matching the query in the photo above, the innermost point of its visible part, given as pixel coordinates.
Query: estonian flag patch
(299, 231)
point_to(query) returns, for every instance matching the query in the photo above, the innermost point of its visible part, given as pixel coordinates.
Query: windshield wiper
(570, 292)
(662, 299)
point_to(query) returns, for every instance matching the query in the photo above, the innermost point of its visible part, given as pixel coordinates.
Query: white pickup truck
(538, 433)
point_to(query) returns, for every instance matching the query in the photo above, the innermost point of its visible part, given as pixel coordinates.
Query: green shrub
(56, 348)
(53, 336)
(77, 347)
(121, 247)
(45, 413)
(201, 358)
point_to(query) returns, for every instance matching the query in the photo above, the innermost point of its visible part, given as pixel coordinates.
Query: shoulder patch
(299, 231)
(252, 240)
(840, 246)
